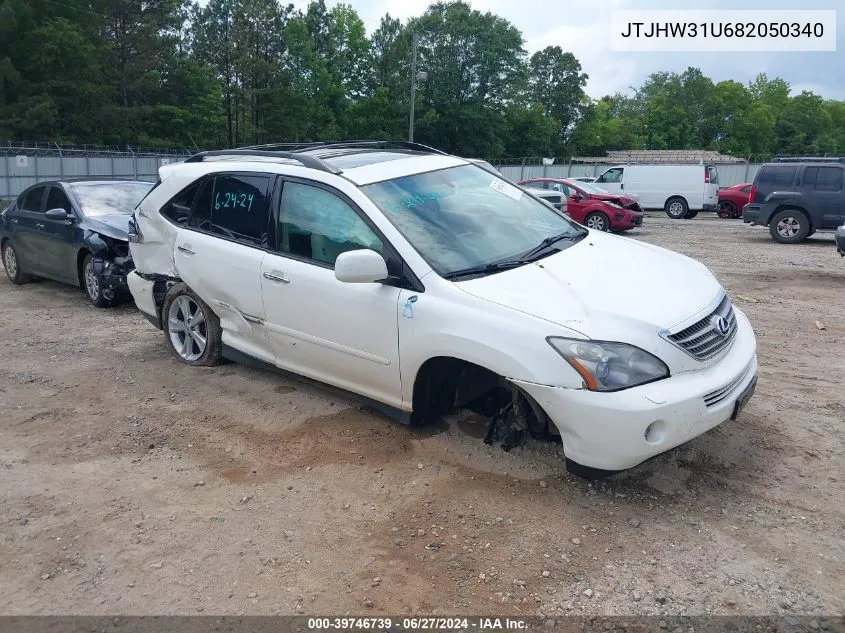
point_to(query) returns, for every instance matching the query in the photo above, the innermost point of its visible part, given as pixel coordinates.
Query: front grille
(717, 396)
(703, 340)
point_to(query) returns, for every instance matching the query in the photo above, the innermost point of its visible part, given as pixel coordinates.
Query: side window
(829, 179)
(57, 199)
(611, 175)
(778, 176)
(536, 184)
(33, 199)
(179, 208)
(317, 224)
(235, 206)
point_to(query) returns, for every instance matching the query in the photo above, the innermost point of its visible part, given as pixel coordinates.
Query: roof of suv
(362, 162)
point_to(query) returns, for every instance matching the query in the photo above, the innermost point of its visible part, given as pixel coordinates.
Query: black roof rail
(809, 159)
(303, 159)
(304, 147)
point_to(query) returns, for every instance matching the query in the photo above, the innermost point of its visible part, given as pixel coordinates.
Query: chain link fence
(23, 164)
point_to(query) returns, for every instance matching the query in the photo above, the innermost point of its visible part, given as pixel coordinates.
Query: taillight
(752, 194)
(706, 176)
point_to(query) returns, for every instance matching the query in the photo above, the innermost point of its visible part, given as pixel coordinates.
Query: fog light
(655, 432)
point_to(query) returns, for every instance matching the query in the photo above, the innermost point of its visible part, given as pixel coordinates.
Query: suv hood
(601, 283)
(115, 225)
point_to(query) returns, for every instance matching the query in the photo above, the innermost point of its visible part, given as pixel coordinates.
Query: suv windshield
(99, 198)
(464, 217)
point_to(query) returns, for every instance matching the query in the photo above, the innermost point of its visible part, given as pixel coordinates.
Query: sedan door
(344, 334)
(57, 239)
(26, 224)
(219, 251)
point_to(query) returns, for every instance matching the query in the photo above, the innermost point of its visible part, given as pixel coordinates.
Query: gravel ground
(132, 484)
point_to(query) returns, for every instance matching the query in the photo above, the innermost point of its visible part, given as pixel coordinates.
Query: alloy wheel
(788, 227)
(10, 262)
(596, 223)
(92, 284)
(187, 328)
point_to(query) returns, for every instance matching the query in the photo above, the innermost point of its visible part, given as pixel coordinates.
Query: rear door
(28, 223)
(822, 186)
(58, 255)
(344, 334)
(711, 186)
(219, 250)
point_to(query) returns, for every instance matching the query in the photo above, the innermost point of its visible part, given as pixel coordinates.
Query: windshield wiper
(486, 268)
(549, 241)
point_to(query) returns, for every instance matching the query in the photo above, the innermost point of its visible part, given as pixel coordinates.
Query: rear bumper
(751, 213)
(143, 293)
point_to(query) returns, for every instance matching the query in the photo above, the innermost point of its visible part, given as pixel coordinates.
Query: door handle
(14, 220)
(39, 226)
(280, 277)
(186, 248)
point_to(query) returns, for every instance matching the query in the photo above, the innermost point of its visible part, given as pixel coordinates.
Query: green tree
(557, 84)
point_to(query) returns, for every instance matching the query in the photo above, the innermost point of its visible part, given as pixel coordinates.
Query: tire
(11, 264)
(727, 209)
(691, 214)
(92, 286)
(192, 340)
(676, 208)
(597, 221)
(789, 226)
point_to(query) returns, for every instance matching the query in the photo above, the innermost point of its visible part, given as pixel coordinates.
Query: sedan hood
(602, 283)
(115, 225)
(626, 200)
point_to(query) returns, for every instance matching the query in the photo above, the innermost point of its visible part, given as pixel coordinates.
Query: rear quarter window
(776, 176)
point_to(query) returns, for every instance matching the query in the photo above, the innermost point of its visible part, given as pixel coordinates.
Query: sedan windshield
(462, 218)
(98, 198)
(591, 188)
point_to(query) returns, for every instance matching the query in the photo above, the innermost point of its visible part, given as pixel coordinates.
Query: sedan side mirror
(58, 215)
(363, 266)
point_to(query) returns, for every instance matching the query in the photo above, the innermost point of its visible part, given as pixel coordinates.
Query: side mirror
(362, 266)
(58, 215)
(575, 197)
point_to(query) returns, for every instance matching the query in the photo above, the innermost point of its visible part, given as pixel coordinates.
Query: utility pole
(413, 86)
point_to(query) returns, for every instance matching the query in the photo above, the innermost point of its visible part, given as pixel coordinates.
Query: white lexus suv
(422, 282)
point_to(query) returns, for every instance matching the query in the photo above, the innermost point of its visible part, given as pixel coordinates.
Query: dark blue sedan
(74, 232)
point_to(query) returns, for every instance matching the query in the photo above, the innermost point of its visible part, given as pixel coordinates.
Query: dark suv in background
(795, 197)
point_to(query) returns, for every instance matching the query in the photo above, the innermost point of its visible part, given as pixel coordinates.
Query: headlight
(609, 366)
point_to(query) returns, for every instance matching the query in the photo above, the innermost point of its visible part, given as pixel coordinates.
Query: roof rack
(809, 159)
(303, 159)
(303, 147)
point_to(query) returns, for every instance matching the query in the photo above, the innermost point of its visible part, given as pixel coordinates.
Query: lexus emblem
(720, 324)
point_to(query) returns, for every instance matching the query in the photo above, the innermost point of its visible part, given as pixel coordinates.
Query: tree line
(175, 74)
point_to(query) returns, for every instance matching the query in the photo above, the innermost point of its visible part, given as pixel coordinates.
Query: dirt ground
(131, 484)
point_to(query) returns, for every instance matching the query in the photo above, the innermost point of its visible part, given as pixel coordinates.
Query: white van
(680, 190)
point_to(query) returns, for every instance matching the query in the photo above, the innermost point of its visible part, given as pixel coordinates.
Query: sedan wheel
(92, 285)
(597, 222)
(13, 268)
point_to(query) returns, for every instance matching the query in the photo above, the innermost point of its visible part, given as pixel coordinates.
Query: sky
(583, 28)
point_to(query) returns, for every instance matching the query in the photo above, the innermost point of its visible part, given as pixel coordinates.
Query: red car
(732, 199)
(591, 206)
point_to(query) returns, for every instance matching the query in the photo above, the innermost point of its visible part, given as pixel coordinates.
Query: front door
(823, 185)
(58, 255)
(219, 251)
(341, 333)
(612, 180)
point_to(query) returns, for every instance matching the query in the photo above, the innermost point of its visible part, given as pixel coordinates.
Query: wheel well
(789, 207)
(443, 383)
(80, 259)
(670, 198)
(3, 242)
